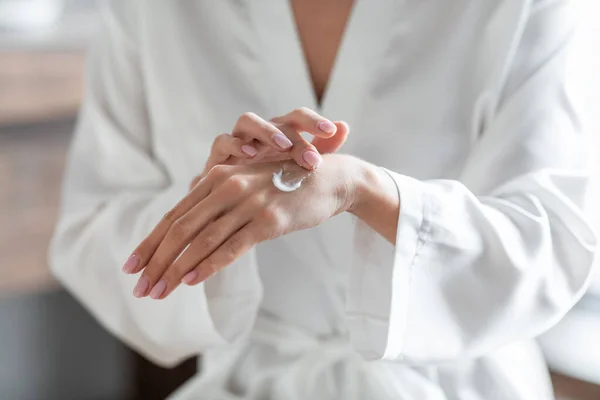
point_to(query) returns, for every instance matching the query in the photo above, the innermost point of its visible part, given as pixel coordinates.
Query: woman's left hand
(254, 140)
(230, 211)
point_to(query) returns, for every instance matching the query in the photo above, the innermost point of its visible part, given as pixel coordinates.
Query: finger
(303, 152)
(252, 127)
(185, 229)
(307, 120)
(333, 144)
(225, 146)
(195, 181)
(233, 248)
(300, 146)
(205, 243)
(144, 251)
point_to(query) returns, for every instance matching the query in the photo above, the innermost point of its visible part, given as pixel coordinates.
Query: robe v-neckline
(287, 81)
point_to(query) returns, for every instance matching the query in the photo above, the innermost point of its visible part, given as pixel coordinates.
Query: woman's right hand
(255, 140)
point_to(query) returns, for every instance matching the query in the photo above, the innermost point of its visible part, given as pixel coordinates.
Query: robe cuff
(379, 280)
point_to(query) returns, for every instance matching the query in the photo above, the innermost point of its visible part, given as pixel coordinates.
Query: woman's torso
(415, 80)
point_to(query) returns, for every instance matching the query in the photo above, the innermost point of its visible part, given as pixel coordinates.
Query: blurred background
(49, 347)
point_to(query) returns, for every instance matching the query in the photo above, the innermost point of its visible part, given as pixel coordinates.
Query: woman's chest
(410, 79)
(320, 26)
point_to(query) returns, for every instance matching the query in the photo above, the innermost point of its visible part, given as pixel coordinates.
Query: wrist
(371, 189)
(365, 179)
(359, 182)
(370, 194)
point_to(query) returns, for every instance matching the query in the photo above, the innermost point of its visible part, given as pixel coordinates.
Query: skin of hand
(236, 206)
(255, 140)
(230, 211)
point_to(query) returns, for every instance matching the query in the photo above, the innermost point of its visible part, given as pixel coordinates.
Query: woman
(457, 235)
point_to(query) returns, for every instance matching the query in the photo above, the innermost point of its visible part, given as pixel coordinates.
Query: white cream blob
(286, 185)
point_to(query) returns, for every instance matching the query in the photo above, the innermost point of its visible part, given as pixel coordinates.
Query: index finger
(307, 120)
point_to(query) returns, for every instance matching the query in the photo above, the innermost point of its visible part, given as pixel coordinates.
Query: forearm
(374, 198)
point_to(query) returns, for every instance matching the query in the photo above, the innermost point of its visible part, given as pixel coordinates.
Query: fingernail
(158, 290)
(312, 158)
(190, 277)
(327, 126)
(249, 150)
(142, 287)
(131, 264)
(282, 141)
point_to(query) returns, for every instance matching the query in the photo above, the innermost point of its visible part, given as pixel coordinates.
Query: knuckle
(180, 230)
(237, 184)
(220, 139)
(170, 216)
(302, 110)
(210, 241)
(257, 201)
(219, 171)
(247, 116)
(272, 217)
(233, 248)
(195, 181)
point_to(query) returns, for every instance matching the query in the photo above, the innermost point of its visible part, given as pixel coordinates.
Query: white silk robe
(468, 106)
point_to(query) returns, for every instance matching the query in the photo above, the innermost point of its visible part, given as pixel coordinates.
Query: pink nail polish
(249, 150)
(190, 277)
(158, 290)
(141, 289)
(312, 158)
(327, 127)
(282, 141)
(131, 264)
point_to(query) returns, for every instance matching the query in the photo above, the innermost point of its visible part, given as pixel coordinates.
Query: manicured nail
(282, 141)
(158, 290)
(131, 264)
(142, 287)
(327, 127)
(312, 158)
(190, 277)
(249, 150)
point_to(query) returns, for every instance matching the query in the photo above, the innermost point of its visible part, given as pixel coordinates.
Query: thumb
(334, 143)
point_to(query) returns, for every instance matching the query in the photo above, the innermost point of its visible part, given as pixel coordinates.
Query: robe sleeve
(115, 191)
(503, 252)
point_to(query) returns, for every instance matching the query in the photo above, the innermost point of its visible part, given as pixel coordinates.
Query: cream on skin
(287, 181)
